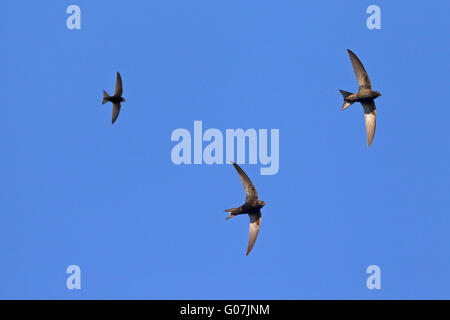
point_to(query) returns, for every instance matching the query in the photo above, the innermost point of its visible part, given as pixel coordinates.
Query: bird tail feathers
(346, 103)
(233, 212)
(106, 96)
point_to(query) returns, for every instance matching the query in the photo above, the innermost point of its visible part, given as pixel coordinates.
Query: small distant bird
(365, 96)
(252, 207)
(116, 99)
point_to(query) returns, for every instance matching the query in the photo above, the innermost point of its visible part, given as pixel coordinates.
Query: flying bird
(365, 96)
(116, 99)
(252, 207)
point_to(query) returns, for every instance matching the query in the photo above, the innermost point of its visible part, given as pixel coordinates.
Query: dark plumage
(252, 207)
(365, 96)
(116, 99)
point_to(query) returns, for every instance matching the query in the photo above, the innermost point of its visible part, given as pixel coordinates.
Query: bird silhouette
(115, 99)
(365, 96)
(252, 207)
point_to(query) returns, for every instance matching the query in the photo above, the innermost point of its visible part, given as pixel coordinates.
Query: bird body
(365, 96)
(246, 208)
(252, 207)
(362, 95)
(115, 99)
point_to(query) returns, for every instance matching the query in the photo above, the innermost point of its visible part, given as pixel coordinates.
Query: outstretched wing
(360, 72)
(250, 190)
(115, 112)
(255, 224)
(118, 92)
(370, 117)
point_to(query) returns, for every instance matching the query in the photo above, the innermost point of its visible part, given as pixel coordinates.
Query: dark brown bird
(252, 207)
(365, 96)
(116, 99)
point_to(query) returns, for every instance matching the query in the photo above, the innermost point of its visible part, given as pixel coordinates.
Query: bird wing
(115, 111)
(249, 188)
(118, 92)
(360, 72)
(255, 223)
(370, 116)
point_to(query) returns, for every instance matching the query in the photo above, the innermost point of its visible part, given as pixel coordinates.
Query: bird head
(261, 203)
(378, 94)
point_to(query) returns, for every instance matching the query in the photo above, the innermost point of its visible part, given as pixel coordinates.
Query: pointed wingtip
(351, 53)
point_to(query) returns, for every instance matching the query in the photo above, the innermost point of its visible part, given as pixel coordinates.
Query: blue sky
(77, 190)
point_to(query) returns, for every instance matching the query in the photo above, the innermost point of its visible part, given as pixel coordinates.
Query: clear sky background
(75, 189)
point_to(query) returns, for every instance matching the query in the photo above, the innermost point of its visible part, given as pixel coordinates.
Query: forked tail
(233, 212)
(346, 103)
(106, 97)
